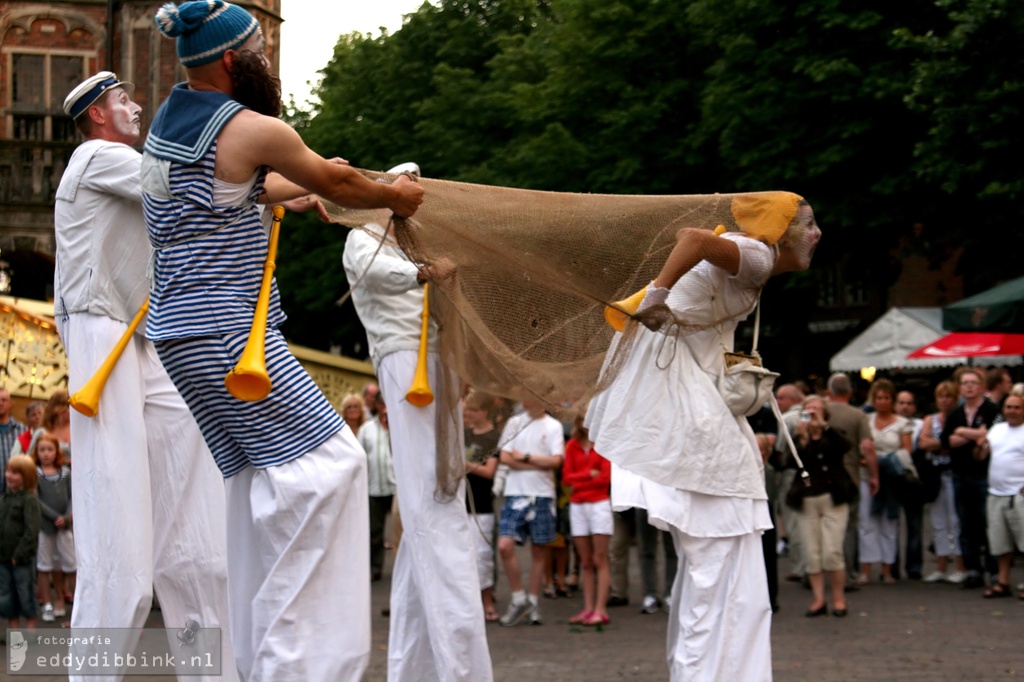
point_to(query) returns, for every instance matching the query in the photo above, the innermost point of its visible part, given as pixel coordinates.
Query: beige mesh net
(522, 311)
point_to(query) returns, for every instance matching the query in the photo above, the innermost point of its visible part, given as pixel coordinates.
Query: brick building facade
(46, 48)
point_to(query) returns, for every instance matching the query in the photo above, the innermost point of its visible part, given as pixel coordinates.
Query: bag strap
(757, 329)
(757, 322)
(789, 439)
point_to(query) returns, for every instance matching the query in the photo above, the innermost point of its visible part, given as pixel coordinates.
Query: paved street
(909, 631)
(906, 632)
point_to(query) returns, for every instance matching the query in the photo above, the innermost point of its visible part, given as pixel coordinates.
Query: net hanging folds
(523, 310)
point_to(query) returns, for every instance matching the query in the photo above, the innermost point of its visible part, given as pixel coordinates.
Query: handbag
(930, 475)
(745, 384)
(797, 491)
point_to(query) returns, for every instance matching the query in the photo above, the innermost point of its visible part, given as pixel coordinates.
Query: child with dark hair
(19, 541)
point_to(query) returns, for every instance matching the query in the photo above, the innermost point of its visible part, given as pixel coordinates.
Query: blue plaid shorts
(533, 517)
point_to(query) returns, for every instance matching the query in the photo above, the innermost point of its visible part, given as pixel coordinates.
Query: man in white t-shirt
(533, 447)
(1005, 504)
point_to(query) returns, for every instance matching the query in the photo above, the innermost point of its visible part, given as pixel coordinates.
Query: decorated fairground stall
(34, 364)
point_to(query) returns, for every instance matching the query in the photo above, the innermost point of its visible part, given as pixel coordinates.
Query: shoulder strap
(789, 439)
(757, 322)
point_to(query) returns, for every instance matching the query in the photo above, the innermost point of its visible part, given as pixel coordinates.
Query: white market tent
(893, 336)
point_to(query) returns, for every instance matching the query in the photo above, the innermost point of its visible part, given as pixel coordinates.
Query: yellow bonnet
(764, 215)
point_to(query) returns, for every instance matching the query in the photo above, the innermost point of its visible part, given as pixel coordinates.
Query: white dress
(676, 449)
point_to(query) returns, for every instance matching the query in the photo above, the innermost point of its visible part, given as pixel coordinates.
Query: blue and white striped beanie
(205, 29)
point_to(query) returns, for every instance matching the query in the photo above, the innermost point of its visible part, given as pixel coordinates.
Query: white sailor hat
(90, 90)
(408, 167)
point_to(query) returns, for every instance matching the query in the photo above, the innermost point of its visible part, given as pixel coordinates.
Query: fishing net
(522, 310)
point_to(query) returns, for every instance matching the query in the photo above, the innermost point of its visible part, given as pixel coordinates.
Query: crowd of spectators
(37, 547)
(876, 472)
(879, 471)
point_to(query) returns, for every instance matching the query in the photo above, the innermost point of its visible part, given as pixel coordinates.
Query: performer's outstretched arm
(692, 246)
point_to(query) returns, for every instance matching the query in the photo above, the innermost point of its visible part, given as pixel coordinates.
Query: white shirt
(386, 294)
(542, 436)
(102, 245)
(380, 470)
(662, 416)
(1006, 468)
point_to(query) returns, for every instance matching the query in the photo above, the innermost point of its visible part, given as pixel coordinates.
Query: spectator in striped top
(296, 477)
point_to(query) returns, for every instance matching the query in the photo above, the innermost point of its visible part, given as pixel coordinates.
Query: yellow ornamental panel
(34, 365)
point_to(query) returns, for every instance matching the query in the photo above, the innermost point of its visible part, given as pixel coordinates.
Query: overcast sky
(311, 29)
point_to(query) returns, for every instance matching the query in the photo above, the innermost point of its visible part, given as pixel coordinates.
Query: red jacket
(576, 473)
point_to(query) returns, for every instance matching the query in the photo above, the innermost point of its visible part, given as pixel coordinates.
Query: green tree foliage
(385, 100)
(968, 83)
(881, 113)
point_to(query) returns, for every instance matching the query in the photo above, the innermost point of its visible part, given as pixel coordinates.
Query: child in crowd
(56, 557)
(589, 474)
(19, 540)
(481, 463)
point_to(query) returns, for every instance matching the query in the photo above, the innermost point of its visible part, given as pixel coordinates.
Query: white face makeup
(123, 116)
(803, 248)
(796, 248)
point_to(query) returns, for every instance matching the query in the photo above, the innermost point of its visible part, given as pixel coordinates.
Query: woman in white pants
(945, 523)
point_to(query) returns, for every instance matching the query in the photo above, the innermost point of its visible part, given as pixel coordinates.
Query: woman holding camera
(822, 504)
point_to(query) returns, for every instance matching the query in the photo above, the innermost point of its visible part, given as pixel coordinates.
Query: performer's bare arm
(692, 246)
(278, 189)
(281, 148)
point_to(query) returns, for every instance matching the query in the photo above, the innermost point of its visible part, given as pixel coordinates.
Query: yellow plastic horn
(419, 393)
(87, 399)
(248, 380)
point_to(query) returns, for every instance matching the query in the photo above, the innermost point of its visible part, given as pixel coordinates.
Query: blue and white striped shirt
(207, 270)
(209, 259)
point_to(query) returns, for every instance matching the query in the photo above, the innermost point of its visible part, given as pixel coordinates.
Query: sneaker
(515, 613)
(666, 605)
(651, 604)
(48, 613)
(956, 577)
(972, 582)
(782, 548)
(535, 616)
(61, 612)
(936, 577)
